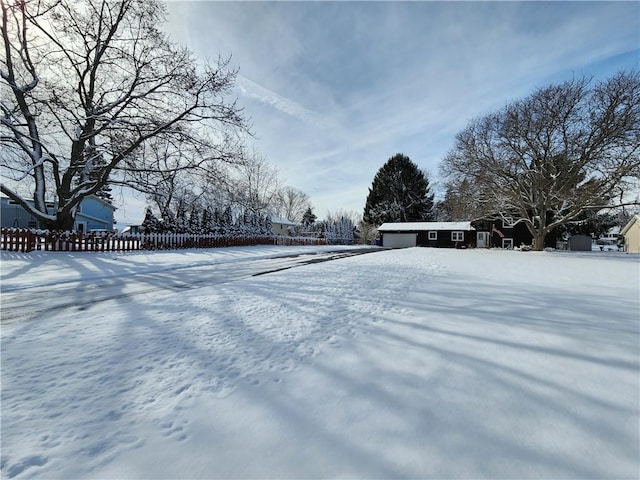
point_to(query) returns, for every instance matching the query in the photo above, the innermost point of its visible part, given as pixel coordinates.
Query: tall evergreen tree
(151, 224)
(399, 193)
(226, 221)
(308, 219)
(181, 224)
(267, 228)
(206, 223)
(194, 221)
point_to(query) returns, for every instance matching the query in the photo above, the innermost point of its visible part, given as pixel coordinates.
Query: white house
(282, 226)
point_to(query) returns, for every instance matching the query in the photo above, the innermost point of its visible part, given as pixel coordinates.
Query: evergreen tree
(181, 224)
(308, 219)
(399, 193)
(151, 224)
(226, 222)
(194, 221)
(267, 225)
(206, 222)
(590, 223)
(93, 166)
(340, 231)
(217, 221)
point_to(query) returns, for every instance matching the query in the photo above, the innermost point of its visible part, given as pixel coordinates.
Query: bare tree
(292, 204)
(254, 185)
(98, 78)
(544, 160)
(460, 202)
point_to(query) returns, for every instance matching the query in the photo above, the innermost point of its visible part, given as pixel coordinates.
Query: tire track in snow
(29, 302)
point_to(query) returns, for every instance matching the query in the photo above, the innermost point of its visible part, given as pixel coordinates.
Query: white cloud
(336, 88)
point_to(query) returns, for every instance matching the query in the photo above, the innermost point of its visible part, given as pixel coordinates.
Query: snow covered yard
(416, 363)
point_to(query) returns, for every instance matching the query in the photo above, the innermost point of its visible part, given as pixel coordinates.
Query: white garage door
(399, 240)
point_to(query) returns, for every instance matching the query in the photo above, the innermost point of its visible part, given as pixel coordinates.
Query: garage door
(399, 240)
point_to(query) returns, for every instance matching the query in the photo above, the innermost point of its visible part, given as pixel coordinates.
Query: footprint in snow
(170, 429)
(25, 463)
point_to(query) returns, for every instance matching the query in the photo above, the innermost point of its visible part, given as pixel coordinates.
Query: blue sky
(334, 89)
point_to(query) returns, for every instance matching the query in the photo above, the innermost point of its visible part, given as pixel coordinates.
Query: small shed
(580, 243)
(631, 234)
(427, 234)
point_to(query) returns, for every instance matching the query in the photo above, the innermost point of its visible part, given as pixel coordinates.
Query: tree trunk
(63, 222)
(538, 240)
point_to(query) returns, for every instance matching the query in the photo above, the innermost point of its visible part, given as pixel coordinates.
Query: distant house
(611, 237)
(427, 234)
(93, 214)
(631, 234)
(132, 230)
(281, 226)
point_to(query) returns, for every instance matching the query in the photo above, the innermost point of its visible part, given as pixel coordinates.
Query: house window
(507, 243)
(433, 235)
(457, 236)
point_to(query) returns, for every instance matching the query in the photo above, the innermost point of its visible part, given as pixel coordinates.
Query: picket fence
(24, 240)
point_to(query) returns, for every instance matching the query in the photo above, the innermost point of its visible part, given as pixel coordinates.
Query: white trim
(455, 235)
(507, 243)
(433, 235)
(508, 222)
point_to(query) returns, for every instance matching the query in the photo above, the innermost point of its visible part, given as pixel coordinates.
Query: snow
(413, 363)
(423, 226)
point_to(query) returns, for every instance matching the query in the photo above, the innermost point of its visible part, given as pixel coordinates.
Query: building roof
(51, 202)
(424, 226)
(105, 202)
(634, 219)
(281, 220)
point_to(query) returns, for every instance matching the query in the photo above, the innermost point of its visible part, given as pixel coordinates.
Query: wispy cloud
(336, 88)
(254, 91)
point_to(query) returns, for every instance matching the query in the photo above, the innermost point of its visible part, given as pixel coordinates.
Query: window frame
(457, 236)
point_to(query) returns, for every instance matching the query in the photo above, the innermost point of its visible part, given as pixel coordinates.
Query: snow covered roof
(281, 220)
(424, 226)
(634, 219)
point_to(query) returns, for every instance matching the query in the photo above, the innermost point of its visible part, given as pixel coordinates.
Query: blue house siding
(13, 215)
(94, 214)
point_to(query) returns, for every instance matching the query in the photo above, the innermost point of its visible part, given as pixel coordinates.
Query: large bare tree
(88, 88)
(254, 184)
(545, 160)
(292, 204)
